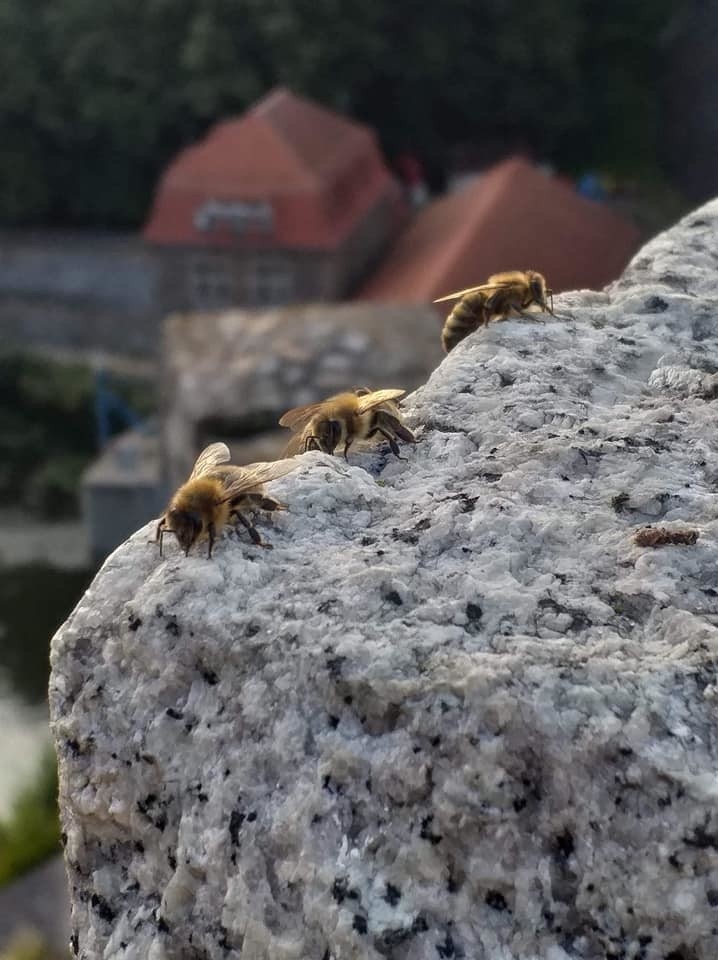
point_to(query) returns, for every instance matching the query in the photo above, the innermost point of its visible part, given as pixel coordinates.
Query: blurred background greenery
(104, 94)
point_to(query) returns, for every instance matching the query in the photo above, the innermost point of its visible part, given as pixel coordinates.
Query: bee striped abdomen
(467, 316)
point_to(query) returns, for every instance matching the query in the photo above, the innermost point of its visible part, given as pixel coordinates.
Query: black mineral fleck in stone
(702, 839)
(495, 900)
(447, 948)
(359, 923)
(425, 832)
(656, 305)
(235, 822)
(339, 889)
(334, 667)
(174, 714)
(392, 895)
(563, 845)
(102, 908)
(209, 676)
(474, 613)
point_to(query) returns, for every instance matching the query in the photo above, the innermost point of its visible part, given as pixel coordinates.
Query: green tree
(32, 832)
(99, 96)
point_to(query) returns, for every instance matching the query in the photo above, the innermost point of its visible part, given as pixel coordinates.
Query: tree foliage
(98, 96)
(48, 429)
(32, 832)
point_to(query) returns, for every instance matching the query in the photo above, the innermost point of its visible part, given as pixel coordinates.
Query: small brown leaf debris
(665, 536)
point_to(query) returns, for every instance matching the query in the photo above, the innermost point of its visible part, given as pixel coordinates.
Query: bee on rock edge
(340, 420)
(514, 291)
(217, 494)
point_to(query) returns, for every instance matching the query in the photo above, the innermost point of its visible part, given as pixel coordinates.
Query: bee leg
(349, 442)
(393, 444)
(266, 503)
(159, 533)
(210, 539)
(253, 532)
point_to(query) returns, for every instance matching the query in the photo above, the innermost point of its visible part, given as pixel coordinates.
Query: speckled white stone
(456, 712)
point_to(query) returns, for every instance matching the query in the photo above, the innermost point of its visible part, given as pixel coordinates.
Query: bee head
(186, 526)
(329, 433)
(538, 289)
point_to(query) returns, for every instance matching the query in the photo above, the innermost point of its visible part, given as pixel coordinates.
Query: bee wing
(376, 398)
(300, 416)
(237, 480)
(482, 288)
(295, 445)
(211, 456)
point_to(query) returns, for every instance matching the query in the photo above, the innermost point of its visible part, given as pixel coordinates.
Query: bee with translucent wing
(340, 420)
(217, 494)
(514, 291)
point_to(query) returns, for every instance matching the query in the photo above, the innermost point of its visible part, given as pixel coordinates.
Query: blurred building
(513, 217)
(122, 489)
(289, 202)
(78, 290)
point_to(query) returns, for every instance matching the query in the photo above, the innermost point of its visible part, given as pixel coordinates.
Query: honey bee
(342, 419)
(514, 291)
(216, 493)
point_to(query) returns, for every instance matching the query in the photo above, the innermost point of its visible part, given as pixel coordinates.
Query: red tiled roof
(321, 173)
(514, 218)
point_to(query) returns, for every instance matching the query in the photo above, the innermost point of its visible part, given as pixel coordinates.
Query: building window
(210, 282)
(270, 281)
(239, 216)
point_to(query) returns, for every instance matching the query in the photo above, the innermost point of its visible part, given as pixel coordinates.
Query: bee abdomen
(467, 316)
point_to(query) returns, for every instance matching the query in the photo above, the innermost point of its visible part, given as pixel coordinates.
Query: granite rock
(455, 712)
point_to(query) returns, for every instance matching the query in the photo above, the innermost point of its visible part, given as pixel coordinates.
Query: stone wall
(78, 290)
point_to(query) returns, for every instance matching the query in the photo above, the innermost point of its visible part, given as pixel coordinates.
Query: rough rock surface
(456, 712)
